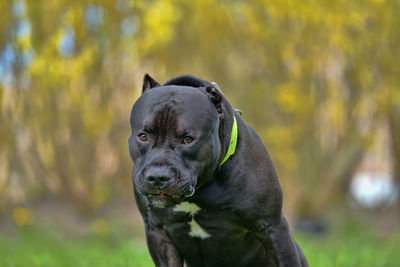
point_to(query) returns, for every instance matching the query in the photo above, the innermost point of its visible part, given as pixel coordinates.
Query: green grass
(37, 247)
(347, 244)
(352, 243)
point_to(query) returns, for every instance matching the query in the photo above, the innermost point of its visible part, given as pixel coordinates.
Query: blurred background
(318, 80)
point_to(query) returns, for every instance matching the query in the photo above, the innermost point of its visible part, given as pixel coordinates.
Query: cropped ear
(149, 83)
(215, 96)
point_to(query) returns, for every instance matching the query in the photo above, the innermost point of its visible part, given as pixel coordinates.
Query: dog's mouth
(162, 199)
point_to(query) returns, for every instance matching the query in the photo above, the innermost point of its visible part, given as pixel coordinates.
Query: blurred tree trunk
(332, 178)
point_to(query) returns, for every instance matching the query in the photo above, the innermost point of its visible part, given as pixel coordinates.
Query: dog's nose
(157, 179)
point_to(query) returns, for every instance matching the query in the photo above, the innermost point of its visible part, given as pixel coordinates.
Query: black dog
(204, 182)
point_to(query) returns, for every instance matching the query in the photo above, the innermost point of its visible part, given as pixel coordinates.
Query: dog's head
(176, 138)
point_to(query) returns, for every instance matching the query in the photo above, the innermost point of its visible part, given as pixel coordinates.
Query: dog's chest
(195, 229)
(189, 222)
(207, 237)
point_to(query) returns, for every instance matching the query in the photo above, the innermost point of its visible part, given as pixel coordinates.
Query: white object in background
(374, 189)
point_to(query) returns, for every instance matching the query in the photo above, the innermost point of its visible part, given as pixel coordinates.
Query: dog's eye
(188, 139)
(143, 137)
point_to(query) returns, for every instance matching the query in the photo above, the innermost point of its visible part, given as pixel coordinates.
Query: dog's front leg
(277, 239)
(162, 251)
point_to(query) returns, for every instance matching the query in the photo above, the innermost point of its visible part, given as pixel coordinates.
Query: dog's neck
(233, 141)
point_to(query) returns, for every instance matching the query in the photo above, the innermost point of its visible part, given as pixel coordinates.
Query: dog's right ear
(149, 83)
(215, 96)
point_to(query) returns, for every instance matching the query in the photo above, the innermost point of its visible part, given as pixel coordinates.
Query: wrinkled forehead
(173, 107)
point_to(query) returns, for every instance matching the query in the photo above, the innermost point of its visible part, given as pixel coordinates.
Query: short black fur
(195, 211)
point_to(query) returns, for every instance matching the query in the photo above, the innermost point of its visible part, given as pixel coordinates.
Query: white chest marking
(195, 228)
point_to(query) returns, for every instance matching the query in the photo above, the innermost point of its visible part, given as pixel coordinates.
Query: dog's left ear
(215, 97)
(149, 83)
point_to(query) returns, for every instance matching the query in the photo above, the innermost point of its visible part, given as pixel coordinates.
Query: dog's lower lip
(162, 195)
(161, 200)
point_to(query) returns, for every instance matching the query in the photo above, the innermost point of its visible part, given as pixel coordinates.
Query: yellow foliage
(378, 1)
(74, 14)
(287, 97)
(80, 63)
(96, 120)
(23, 216)
(46, 152)
(99, 195)
(158, 22)
(335, 110)
(294, 101)
(3, 164)
(24, 42)
(1, 96)
(281, 135)
(387, 97)
(255, 28)
(38, 66)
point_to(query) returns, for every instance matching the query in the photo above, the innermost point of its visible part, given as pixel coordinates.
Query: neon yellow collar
(234, 134)
(233, 142)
